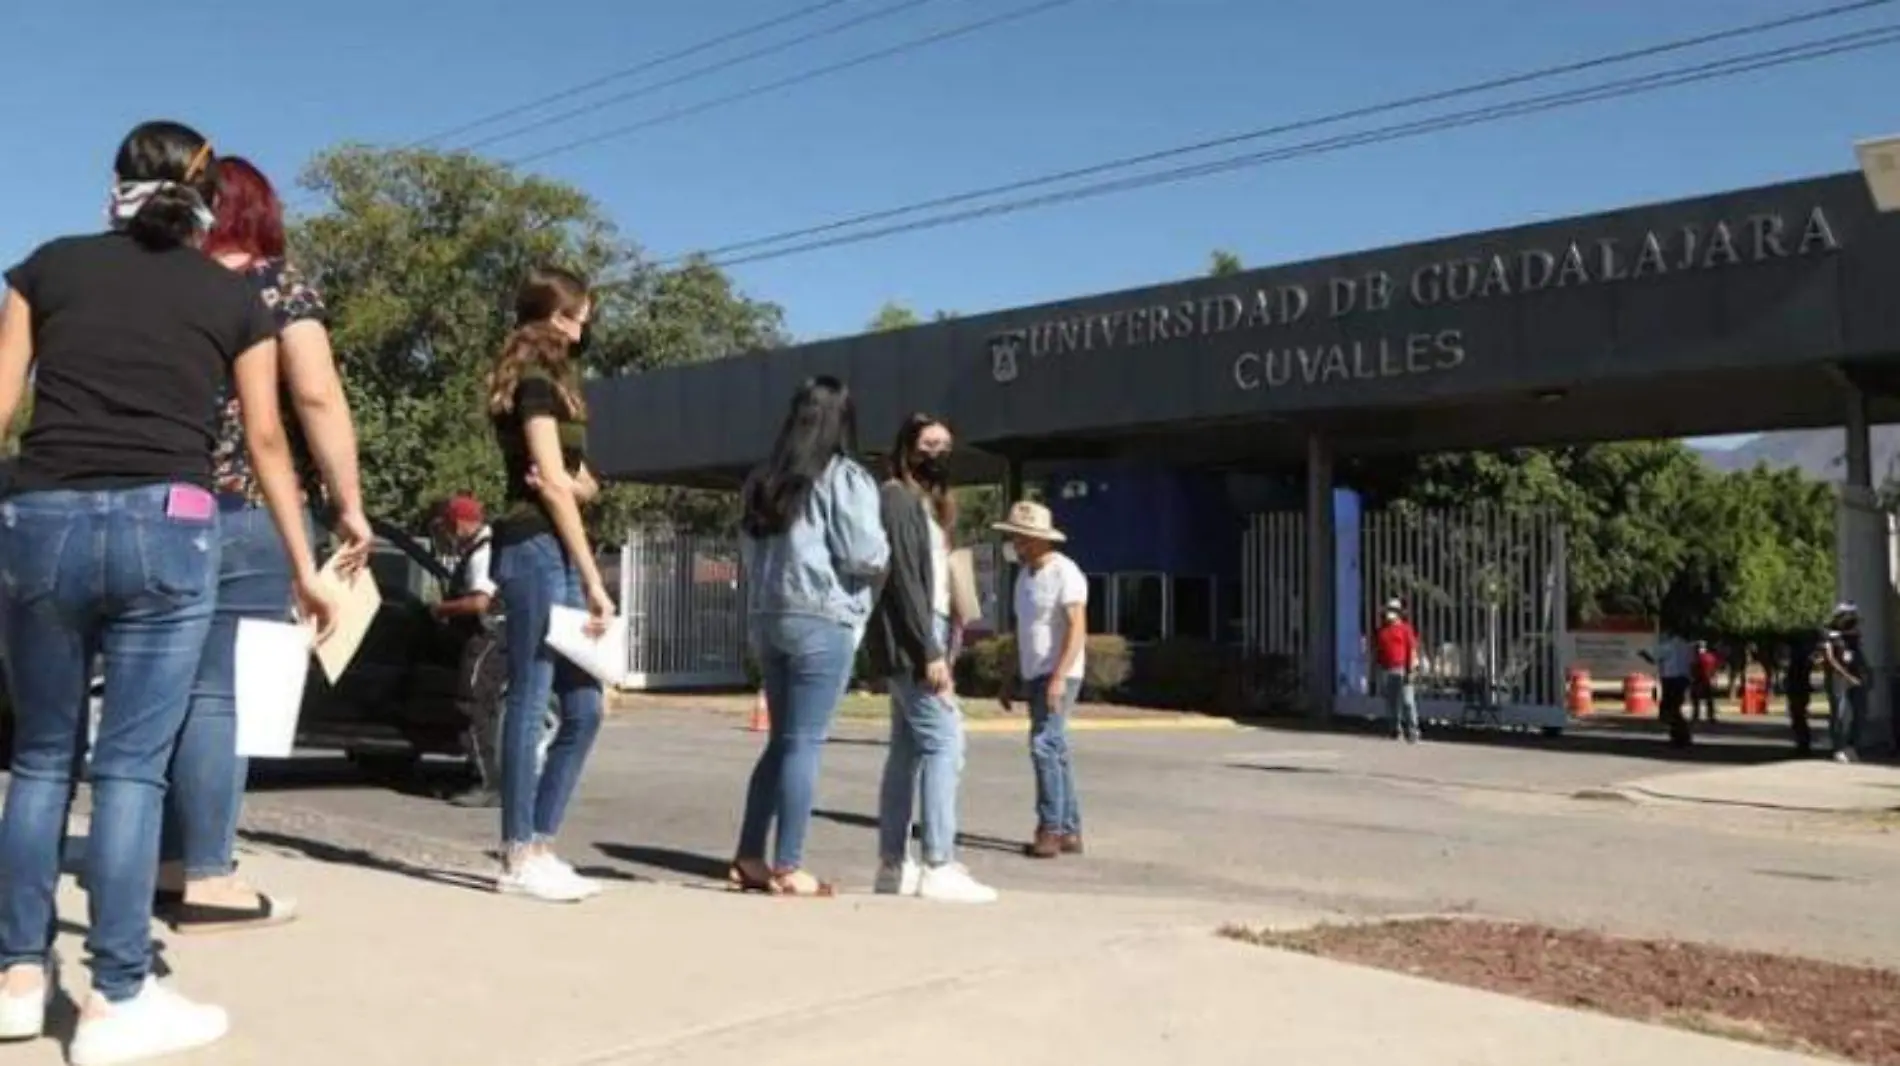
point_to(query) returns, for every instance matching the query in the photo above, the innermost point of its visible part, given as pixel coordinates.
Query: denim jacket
(828, 563)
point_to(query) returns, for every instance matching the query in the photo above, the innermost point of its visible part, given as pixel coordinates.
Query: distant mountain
(1817, 453)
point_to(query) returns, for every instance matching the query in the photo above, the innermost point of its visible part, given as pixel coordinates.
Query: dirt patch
(1801, 1004)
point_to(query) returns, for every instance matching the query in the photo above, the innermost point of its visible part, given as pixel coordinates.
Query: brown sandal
(800, 884)
(743, 876)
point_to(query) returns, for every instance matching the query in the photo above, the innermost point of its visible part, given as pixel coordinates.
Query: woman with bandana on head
(109, 546)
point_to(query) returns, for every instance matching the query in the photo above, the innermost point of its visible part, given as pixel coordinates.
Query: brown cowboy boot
(1047, 845)
(1070, 843)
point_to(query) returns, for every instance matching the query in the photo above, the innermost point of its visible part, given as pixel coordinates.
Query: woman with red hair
(198, 887)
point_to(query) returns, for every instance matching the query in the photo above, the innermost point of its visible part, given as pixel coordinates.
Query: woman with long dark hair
(909, 644)
(543, 560)
(198, 886)
(109, 545)
(813, 546)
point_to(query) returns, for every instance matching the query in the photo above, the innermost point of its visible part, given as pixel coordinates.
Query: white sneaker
(898, 879)
(589, 887)
(543, 880)
(951, 883)
(23, 1017)
(155, 1022)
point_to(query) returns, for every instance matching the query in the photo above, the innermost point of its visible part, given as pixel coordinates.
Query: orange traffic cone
(759, 719)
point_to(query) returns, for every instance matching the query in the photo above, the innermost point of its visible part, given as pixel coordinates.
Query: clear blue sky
(1090, 81)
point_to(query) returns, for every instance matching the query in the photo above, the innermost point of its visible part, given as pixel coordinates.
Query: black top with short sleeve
(132, 349)
(524, 515)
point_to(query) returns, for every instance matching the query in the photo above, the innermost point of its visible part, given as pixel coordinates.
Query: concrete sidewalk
(397, 969)
(1800, 785)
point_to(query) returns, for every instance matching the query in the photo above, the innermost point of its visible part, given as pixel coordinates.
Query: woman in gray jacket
(908, 643)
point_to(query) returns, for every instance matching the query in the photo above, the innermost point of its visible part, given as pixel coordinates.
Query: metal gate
(1484, 586)
(684, 600)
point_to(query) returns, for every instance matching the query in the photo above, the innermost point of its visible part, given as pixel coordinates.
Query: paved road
(1350, 823)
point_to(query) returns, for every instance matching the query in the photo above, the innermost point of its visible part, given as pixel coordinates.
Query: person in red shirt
(1702, 682)
(1395, 648)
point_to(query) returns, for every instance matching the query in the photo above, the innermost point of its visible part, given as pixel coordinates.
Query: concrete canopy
(1736, 312)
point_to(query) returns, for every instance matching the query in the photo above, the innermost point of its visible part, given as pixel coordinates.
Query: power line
(901, 48)
(1334, 118)
(1725, 68)
(698, 72)
(628, 72)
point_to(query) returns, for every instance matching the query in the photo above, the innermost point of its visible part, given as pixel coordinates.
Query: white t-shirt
(1042, 620)
(939, 568)
(480, 580)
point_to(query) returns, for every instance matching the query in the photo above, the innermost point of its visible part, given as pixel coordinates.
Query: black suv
(400, 697)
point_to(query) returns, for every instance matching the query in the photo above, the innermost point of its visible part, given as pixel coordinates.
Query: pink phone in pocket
(191, 503)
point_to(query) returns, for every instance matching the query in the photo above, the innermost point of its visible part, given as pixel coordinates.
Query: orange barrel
(1755, 696)
(1577, 695)
(1639, 694)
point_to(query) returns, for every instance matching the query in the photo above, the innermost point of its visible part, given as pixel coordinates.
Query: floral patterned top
(289, 299)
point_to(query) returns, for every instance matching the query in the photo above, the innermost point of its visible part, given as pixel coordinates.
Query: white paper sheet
(357, 601)
(605, 658)
(273, 661)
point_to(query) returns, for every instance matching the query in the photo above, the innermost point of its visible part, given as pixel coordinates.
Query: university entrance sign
(1436, 288)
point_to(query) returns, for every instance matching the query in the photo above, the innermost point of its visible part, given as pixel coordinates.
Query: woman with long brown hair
(543, 560)
(909, 644)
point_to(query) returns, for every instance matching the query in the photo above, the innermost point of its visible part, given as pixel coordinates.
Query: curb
(1105, 725)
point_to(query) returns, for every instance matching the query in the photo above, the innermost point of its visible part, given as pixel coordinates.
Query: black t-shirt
(1800, 676)
(131, 351)
(524, 515)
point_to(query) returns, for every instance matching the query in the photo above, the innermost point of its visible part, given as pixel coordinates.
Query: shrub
(1183, 675)
(986, 664)
(1106, 668)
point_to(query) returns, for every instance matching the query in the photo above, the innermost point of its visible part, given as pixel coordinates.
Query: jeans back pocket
(177, 558)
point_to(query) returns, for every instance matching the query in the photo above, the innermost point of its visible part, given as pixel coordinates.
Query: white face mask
(1009, 553)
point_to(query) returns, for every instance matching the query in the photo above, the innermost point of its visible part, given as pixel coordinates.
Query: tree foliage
(418, 255)
(1651, 530)
(1222, 263)
(21, 418)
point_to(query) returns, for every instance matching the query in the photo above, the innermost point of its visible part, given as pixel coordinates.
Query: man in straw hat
(1052, 597)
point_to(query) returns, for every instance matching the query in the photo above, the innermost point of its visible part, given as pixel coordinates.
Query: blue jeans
(125, 574)
(927, 747)
(1401, 701)
(1847, 711)
(207, 776)
(1057, 808)
(805, 661)
(535, 576)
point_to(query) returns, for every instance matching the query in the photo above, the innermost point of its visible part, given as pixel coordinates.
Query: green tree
(1650, 529)
(893, 316)
(418, 254)
(1222, 263)
(21, 418)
